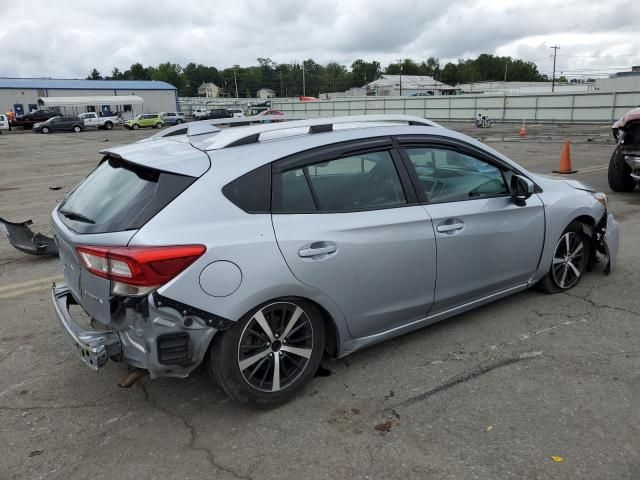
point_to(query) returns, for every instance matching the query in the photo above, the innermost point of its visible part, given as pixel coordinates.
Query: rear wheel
(270, 354)
(570, 259)
(76, 128)
(158, 125)
(178, 122)
(620, 179)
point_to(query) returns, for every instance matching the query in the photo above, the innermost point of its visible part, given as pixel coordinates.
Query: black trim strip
(214, 321)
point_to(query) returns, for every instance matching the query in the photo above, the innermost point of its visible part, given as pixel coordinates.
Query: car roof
(245, 148)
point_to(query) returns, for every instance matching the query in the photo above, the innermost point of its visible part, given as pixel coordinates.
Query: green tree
(170, 73)
(195, 75)
(363, 72)
(137, 72)
(94, 75)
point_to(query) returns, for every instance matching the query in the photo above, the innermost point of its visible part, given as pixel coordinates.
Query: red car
(624, 167)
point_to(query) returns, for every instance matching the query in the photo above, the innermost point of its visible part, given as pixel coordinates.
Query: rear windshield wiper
(76, 216)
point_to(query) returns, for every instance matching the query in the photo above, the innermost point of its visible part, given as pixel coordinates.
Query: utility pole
(235, 81)
(400, 64)
(553, 78)
(281, 83)
(304, 94)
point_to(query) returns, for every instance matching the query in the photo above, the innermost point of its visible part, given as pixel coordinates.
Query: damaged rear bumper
(20, 236)
(93, 347)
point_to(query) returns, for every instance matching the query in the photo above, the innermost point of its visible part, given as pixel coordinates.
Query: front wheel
(270, 354)
(159, 125)
(135, 126)
(570, 259)
(619, 174)
(108, 125)
(45, 130)
(76, 129)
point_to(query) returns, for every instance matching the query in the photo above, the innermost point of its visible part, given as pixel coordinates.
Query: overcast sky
(69, 38)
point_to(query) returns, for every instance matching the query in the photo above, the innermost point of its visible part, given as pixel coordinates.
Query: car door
(347, 223)
(56, 124)
(486, 243)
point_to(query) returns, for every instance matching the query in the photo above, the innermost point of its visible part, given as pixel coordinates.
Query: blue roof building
(21, 94)
(75, 84)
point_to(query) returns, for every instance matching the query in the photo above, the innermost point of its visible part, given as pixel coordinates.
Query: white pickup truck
(92, 120)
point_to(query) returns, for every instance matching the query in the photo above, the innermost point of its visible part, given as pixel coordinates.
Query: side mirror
(521, 189)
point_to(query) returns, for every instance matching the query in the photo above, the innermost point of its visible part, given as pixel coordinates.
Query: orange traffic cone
(523, 129)
(565, 159)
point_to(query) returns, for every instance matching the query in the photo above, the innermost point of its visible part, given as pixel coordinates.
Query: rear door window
(119, 195)
(357, 182)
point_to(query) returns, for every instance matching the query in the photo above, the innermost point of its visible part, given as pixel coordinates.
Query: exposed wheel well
(588, 225)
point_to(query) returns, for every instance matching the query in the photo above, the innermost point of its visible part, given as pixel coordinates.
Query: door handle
(317, 248)
(449, 227)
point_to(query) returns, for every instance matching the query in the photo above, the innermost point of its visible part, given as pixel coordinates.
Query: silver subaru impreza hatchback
(258, 249)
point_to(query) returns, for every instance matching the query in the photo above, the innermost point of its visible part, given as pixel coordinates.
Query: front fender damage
(24, 239)
(604, 239)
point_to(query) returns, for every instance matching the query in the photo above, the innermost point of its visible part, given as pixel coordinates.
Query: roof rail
(202, 127)
(316, 125)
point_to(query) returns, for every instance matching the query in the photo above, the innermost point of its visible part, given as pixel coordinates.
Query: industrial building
(23, 95)
(407, 85)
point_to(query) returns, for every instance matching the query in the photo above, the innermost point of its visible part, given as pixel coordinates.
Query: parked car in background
(29, 119)
(59, 124)
(4, 123)
(235, 111)
(219, 113)
(200, 113)
(624, 166)
(172, 118)
(326, 239)
(145, 120)
(93, 120)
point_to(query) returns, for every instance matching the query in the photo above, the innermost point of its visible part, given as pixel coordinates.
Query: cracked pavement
(491, 394)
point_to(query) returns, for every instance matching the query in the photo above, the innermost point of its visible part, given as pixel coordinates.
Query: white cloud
(68, 39)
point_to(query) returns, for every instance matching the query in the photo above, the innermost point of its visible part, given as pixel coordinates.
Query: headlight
(601, 197)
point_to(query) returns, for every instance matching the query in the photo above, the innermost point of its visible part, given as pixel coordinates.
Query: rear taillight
(136, 271)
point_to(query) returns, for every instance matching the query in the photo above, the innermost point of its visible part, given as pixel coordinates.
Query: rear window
(119, 195)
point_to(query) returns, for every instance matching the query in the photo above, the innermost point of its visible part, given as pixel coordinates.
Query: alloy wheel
(568, 260)
(275, 346)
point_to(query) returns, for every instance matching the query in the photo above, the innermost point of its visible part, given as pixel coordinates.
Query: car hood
(543, 179)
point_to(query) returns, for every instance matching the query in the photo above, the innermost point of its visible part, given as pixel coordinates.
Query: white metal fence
(565, 107)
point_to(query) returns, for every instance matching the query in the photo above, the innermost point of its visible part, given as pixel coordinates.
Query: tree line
(286, 79)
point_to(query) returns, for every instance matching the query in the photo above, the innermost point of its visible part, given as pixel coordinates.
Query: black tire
(179, 122)
(45, 130)
(553, 280)
(135, 126)
(247, 341)
(77, 129)
(108, 125)
(619, 174)
(158, 125)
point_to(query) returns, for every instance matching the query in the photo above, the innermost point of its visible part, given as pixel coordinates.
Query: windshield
(118, 196)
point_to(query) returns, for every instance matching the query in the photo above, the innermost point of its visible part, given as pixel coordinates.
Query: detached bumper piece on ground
(25, 240)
